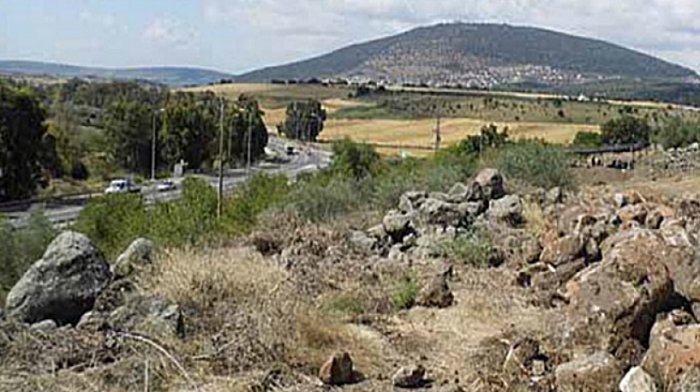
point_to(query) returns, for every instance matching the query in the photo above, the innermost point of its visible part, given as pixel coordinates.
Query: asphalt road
(306, 158)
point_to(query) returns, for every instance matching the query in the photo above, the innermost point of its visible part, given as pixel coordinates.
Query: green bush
(324, 198)
(346, 304)
(625, 130)
(534, 163)
(21, 248)
(587, 139)
(677, 133)
(357, 160)
(261, 193)
(404, 294)
(474, 249)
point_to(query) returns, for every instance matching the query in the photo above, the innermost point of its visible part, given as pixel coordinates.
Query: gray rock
(620, 200)
(439, 212)
(377, 232)
(361, 241)
(492, 183)
(138, 254)
(689, 381)
(637, 380)
(92, 321)
(409, 377)
(44, 326)
(554, 196)
(507, 209)
(63, 284)
(410, 201)
(398, 225)
(154, 315)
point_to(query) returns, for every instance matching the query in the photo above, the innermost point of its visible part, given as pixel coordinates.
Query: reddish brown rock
(673, 351)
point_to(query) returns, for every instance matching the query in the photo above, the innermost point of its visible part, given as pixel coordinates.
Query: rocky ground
(475, 289)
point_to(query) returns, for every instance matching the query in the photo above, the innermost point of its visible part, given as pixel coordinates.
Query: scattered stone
(436, 293)
(361, 241)
(654, 219)
(689, 381)
(44, 326)
(451, 388)
(92, 321)
(554, 196)
(409, 377)
(507, 209)
(439, 212)
(620, 200)
(138, 254)
(397, 225)
(148, 314)
(492, 183)
(633, 213)
(531, 251)
(460, 193)
(597, 372)
(338, 370)
(563, 250)
(63, 284)
(637, 380)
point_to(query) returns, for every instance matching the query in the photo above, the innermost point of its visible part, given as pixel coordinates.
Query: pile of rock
(678, 160)
(424, 219)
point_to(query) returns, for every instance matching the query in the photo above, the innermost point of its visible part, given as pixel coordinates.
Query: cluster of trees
(25, 148)
(304, 120)
(186, 127)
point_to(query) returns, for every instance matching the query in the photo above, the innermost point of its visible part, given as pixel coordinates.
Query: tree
(128, 126)
(63, 128)
(489, 137)
(626, 130)
(21, 142)
(304, 120)
(245, 120)
(190, 127)
(678, 132)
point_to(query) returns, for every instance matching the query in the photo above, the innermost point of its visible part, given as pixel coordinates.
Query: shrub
(21, 248)
(404, 295)
(474, 249)
(587, 139)
(79, 171)
(358, 160)
(324, 198)
(678, 133)
(261, 193)
(535, 163)
(346, 304)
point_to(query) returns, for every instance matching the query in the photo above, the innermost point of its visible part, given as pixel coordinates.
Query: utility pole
(220, 199)
(153, 148)
(438, 138)
(250, 133)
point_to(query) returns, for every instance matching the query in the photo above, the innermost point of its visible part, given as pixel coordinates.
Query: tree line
(63, 130)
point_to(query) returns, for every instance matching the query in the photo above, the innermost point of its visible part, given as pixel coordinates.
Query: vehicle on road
(165, 186)
(122, 186)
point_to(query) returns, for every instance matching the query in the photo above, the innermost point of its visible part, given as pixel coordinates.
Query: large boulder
(135, 257)
(492, 183)
(460, 193)
(63, 284)
(674, 350)
(620, 296)
(398, 225)
(442, 213)
(599, 372)
(563, 250)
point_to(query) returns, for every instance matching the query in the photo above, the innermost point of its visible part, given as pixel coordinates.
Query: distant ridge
(172, 76)
(485, 55)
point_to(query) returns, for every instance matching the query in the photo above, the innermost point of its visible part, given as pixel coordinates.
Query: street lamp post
(153, 143)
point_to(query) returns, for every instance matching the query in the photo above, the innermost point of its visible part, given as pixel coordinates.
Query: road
(306, 158)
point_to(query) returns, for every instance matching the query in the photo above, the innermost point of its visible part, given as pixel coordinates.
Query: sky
(240, 35)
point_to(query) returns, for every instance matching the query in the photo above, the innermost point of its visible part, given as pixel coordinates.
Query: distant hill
(172, 76)
(483, 55)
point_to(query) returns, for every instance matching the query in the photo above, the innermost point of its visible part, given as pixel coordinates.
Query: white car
(165, 186)
(122, 186)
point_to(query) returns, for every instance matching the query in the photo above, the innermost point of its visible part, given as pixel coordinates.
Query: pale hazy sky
(238, 35)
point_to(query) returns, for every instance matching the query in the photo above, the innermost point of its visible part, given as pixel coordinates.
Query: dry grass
(535, 222)
(421, 132)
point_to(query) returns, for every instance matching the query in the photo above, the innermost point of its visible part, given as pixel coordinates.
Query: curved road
(306, 158)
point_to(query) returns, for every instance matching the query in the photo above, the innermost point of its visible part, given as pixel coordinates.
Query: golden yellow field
(421, 132)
